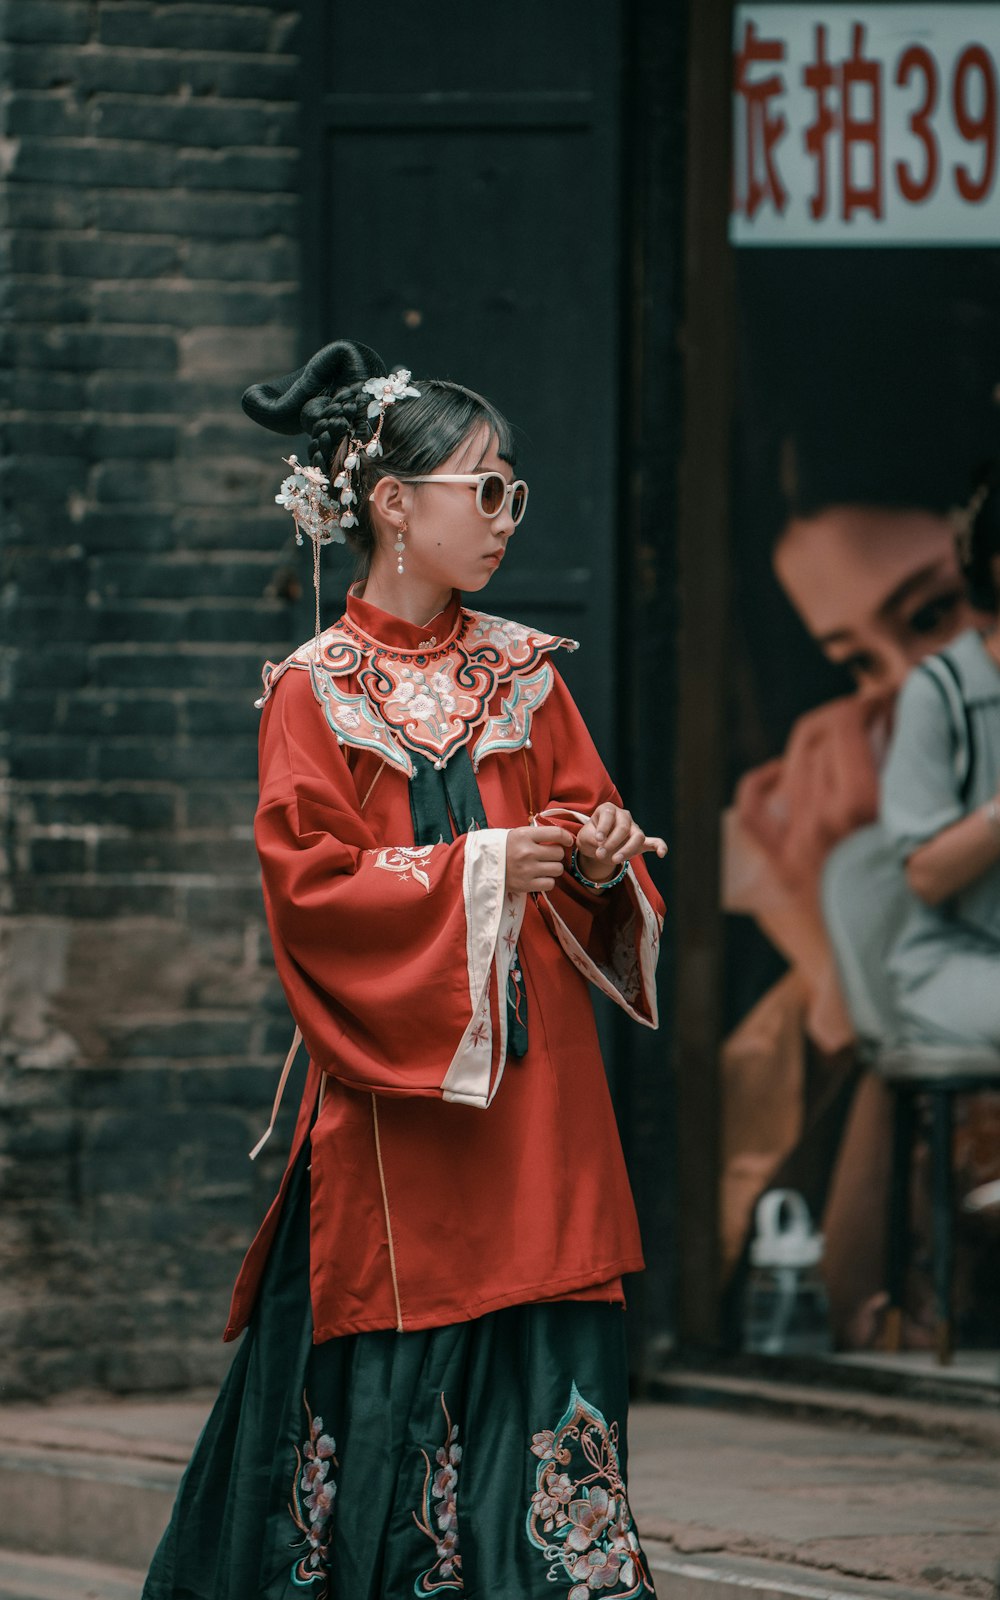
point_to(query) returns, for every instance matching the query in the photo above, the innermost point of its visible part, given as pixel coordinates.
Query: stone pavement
(883, 1497)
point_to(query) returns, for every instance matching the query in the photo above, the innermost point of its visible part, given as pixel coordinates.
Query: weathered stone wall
(149, 156)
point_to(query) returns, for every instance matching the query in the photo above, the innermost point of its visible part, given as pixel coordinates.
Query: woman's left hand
(610, 838)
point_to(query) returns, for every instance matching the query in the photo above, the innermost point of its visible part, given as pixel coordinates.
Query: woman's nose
(894, 663)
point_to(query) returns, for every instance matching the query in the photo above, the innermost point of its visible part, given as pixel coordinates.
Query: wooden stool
(938, 1072)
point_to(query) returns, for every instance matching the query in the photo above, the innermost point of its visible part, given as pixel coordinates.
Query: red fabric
(426, 1212)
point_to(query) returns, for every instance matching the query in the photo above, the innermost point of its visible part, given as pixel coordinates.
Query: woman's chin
(477, 580)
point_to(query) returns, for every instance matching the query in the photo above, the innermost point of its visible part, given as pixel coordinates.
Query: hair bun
(278, 403)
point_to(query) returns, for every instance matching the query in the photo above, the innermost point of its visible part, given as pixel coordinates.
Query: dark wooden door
(463, 217)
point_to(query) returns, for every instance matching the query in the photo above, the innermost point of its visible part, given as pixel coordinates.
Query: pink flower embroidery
(598, 1570)
(579, 1518)
(439, 1513)
(549, 1502)
(311, 1508)
(589, 1517)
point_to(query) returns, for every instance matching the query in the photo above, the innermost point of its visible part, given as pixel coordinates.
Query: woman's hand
(536, 858)
(609, 839)
(824, 787)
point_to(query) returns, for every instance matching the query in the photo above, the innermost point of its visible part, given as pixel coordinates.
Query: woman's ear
(390, 502)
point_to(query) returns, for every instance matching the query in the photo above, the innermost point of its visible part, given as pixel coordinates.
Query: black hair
(979, 539)
(326, 398)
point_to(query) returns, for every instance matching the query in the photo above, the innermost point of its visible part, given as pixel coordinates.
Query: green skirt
(484, 1459)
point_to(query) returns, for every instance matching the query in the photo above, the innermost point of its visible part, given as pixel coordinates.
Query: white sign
(866, 125)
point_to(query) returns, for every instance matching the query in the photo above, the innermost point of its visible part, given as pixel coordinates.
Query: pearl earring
(399, 546)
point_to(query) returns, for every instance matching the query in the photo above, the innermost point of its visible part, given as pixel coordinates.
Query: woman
(431, 1393)
(878, 588)
(941, 810)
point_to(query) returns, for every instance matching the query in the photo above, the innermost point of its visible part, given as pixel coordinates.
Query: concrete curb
(679, 1577)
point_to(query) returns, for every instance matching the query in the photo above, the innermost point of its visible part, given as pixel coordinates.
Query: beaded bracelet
(588, 883)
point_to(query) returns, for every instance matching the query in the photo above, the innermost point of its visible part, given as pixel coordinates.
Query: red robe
(447, 1181)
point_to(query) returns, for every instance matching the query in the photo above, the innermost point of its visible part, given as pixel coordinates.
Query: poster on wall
(866, 125)
(868, 382)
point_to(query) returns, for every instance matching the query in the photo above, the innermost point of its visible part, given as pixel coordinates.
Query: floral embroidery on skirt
(579, 1516)
(439, 1519)
(311, 1508)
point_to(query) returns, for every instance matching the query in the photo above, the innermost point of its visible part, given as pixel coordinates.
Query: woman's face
(878, 589)
(448, 542)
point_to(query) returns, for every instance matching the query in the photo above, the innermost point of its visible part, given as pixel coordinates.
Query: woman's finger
(631, 845)
(547, 834)
(603, 819)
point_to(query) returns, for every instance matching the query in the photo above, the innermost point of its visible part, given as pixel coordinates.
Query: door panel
(470, 231)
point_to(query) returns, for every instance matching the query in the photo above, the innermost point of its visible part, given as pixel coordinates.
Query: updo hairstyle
(326, 400)
(979, 546)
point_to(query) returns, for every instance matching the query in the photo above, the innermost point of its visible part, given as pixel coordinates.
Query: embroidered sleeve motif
(405, 859)
(493, 919)
(579, 1516)
(311, 1507)
(438, 1517)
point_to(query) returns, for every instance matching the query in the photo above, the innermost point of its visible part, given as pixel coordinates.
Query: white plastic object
(785, 1235)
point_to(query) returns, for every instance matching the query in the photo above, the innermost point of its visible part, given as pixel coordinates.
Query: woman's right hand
(535, 858)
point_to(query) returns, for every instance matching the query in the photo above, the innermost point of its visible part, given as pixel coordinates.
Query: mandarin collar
(396, 632)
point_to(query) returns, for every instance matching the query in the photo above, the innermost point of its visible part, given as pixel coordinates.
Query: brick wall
(149, 161)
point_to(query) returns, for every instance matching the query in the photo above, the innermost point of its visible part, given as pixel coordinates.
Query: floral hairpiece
(963, 520)
(303, 493)
(385, 392)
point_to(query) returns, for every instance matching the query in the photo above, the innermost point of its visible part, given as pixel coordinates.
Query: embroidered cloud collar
(388, 686)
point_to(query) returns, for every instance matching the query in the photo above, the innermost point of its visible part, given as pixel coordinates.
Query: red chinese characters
(841, 119)
(763, 130)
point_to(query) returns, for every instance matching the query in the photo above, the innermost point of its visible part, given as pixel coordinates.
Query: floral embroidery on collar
(429, 701)
(579, 1517)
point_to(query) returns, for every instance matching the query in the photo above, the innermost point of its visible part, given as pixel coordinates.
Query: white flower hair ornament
(385, 392)
(303, 493)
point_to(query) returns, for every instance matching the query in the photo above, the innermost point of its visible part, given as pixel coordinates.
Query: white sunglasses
(492, 491)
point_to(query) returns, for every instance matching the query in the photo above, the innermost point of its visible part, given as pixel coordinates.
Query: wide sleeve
(612, 936)
(392, 956)
(920, 785)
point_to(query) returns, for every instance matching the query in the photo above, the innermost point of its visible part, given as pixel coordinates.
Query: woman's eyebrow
(897, 597)
(904, 591)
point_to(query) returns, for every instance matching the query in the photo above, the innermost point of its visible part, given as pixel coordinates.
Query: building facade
(194, 197)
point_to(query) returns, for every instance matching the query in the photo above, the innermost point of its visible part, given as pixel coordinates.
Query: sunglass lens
(518, 501)
(491, 495)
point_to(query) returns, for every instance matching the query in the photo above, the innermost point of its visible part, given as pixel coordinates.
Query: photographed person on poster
(431, 1392)
(940, 809)
(878, 588)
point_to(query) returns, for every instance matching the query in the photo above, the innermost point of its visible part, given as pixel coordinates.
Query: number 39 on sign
(865, 125)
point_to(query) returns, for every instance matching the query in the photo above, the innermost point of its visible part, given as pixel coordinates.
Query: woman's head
(878, 588)
(447, 428)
